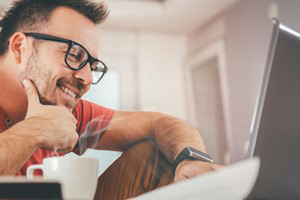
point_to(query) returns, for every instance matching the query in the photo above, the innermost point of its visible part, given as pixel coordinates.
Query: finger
(180, 177)
(64, 150)
(176, 179)
(216, 167)
(74, 120)
(31, 91)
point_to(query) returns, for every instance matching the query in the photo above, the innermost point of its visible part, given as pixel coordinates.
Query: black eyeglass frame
(91, 59)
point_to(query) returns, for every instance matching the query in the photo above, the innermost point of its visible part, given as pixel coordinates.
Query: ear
(17, 45)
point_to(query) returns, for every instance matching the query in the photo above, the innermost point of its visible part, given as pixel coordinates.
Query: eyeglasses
(76, 56)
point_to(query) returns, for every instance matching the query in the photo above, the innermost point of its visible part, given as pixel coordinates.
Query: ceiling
(164, 15)
(161, 15)
(148, 0)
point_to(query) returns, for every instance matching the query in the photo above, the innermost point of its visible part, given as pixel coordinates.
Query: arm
(171, 134)
(16, 148)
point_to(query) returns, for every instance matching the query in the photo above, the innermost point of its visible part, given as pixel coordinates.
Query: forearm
(173, 135)
(16, 147)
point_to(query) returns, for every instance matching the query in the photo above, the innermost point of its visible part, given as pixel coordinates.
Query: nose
(84, 75)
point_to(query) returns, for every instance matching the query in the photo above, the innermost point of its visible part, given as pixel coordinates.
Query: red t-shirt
(92, 120)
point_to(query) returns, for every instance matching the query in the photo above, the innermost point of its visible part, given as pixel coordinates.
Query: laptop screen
(276, 122)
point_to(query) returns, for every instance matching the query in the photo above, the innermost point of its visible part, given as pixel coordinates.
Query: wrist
(189, 153)
(29, 128)
(182, 163)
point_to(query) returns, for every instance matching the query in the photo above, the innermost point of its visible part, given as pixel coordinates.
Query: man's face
(49, 92)
(46, 66)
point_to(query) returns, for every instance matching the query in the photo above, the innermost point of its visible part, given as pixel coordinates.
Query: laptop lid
(276, 122)
(19, 187)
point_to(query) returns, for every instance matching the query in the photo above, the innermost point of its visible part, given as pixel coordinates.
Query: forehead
(70, 24)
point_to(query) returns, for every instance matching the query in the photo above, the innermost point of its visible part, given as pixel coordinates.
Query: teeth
(68, 91)
(72, 94)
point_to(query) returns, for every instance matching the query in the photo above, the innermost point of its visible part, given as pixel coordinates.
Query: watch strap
(189, 153)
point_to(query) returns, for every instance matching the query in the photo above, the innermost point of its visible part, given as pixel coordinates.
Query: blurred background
(199, 60)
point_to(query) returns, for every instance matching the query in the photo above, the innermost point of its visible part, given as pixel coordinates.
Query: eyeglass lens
(77, 57)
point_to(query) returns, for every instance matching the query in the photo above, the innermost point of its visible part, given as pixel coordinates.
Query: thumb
(31, 91)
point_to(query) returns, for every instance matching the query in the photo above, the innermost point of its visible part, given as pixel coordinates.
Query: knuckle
(62, 144)
(74, 119)
(61, 109)
(76, 136)
(65, 109)
(75, 139)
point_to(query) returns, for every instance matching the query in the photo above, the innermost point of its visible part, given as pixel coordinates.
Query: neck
(13, 98)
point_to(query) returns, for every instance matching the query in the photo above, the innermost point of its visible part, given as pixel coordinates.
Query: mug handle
(31, 169)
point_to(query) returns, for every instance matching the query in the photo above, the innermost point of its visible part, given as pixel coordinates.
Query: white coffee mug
(78, 176)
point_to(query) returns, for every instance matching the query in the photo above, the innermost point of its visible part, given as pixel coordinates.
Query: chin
(47, 102)
(70, 105)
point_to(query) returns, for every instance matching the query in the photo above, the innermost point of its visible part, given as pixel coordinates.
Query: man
(48, 60)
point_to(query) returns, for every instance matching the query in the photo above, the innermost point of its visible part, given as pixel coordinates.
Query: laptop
(276, 120)
(16, 187)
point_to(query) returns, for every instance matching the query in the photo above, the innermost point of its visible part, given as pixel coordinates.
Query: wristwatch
(189, 153)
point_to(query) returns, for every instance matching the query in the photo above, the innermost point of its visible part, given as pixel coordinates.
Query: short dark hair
(33, 15)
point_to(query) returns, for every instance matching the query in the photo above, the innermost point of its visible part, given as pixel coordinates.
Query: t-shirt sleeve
(92, 121)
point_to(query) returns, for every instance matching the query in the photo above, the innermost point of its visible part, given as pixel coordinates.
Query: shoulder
(85, 111)
(87, 107)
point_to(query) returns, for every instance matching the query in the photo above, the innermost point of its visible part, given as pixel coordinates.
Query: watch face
(198, 155)
(189, 153)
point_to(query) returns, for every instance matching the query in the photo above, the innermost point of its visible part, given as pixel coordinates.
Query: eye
(77, 55)
(93, 67)
(97, 67)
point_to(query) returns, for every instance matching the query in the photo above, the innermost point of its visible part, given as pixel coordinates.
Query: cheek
(56, 66)
(51, 60)
(51, 56)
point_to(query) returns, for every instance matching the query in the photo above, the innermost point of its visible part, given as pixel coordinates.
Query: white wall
(156, 69)
(205, 44)
(160, 73)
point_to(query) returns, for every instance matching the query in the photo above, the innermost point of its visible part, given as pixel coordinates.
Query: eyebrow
(43, 36)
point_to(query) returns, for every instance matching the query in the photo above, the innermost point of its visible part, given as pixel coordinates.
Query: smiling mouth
(68, 91)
